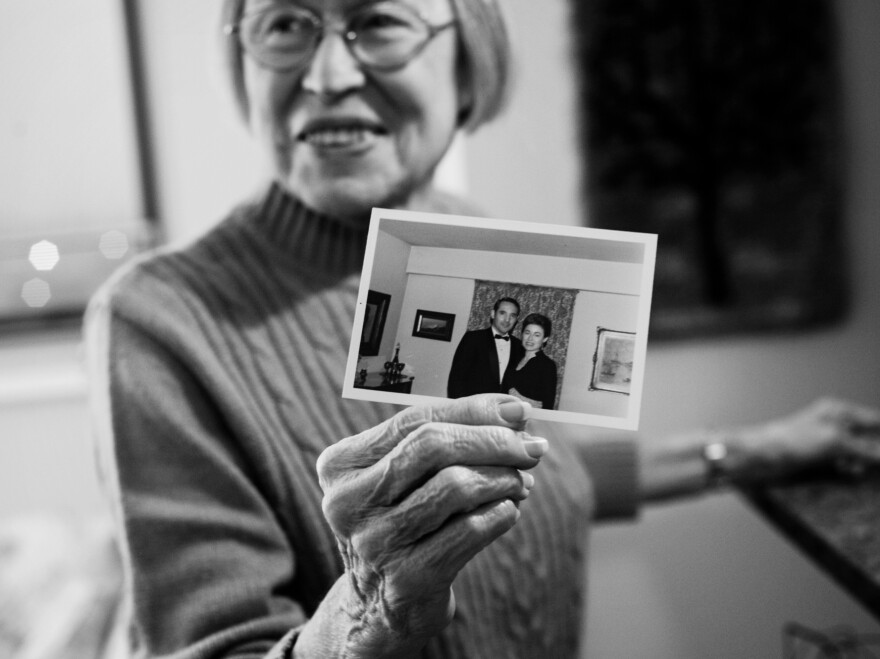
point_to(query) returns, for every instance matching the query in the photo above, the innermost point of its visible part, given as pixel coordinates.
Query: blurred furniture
(801, 642)
(60, 589)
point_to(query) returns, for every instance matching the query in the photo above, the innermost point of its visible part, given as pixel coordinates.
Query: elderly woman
(534, 377)
(262, 516)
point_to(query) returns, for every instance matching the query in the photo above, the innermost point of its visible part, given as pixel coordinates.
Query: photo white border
(649, 241)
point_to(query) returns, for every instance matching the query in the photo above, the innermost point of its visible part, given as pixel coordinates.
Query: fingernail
(536, 446)
(528, 480)
(514, 411)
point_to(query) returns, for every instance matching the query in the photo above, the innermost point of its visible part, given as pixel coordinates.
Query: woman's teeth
(337, 137)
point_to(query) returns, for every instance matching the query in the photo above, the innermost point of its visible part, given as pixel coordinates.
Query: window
(71, 195)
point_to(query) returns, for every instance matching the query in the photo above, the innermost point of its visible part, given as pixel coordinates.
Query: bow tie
(503, 338)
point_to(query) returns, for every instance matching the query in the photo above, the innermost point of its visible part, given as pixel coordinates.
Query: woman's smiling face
(533, 338)
(345, 138)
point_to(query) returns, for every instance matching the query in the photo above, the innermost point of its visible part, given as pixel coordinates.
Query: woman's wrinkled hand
(412, 500)
(829, 432)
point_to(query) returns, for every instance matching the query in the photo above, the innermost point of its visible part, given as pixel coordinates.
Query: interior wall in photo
(442, 280)
(388, 277)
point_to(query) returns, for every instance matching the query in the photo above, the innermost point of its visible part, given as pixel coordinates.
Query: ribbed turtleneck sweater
(216, 377)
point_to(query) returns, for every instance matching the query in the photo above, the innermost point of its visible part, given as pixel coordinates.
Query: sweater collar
(322, 243)
(334, 245)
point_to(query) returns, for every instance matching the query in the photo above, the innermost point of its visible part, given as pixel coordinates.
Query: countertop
(836, 523)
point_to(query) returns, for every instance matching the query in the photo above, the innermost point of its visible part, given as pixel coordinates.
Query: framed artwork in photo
(433, 325)
(375, 312)
(613, 361)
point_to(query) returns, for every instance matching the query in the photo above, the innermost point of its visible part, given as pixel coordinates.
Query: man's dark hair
(506, 299)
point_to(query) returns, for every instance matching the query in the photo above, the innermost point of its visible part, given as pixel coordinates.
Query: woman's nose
(333, 70)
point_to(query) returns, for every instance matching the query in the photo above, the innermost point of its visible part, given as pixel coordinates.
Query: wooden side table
(400, 384)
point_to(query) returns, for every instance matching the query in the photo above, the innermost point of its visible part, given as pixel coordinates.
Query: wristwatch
(714, 454)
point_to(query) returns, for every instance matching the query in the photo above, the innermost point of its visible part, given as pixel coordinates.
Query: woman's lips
(340, 133)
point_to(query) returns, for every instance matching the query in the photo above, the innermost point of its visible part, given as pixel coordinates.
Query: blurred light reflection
(44, 255)
(36, 293)
(113, 244)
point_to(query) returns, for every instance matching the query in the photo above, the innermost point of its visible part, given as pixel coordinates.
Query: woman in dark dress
(534, 379)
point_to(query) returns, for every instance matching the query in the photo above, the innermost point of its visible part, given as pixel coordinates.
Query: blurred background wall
(706, 578)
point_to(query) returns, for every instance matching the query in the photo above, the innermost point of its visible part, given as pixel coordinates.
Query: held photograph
(475, 305)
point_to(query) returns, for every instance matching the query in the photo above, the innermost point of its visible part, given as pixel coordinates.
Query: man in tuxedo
(485, 358)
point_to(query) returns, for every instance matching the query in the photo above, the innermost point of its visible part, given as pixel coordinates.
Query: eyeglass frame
(349, 38)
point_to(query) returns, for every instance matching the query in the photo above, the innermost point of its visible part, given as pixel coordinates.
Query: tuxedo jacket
(475, 365)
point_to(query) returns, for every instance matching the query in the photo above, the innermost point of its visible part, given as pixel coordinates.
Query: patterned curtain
(555, 303)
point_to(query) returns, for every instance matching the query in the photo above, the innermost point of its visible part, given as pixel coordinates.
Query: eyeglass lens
(382, 35)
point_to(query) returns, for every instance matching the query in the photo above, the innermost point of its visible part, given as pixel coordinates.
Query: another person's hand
(829, 432)
(412, 500)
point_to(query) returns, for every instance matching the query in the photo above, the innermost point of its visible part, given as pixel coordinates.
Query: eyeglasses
(383, 36)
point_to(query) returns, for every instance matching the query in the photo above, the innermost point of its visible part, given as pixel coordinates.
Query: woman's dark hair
(541, 321)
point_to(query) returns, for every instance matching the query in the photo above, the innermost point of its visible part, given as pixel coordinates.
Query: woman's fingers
(861, 422)
(354, 492)
(859, 448)
(436, 446)
(438, 558)
(844, 434)
(411, 586)
(450, 493)
(436, 461)
(370, 446)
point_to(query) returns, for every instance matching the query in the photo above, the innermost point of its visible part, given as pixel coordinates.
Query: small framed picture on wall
(433, 325)
(613, 361)
(374, 322)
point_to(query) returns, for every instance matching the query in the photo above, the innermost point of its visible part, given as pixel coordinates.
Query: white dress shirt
(503, 349)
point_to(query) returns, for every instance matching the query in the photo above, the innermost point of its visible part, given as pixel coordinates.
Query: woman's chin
(335, 202)
(342, 197)
(339, 206)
